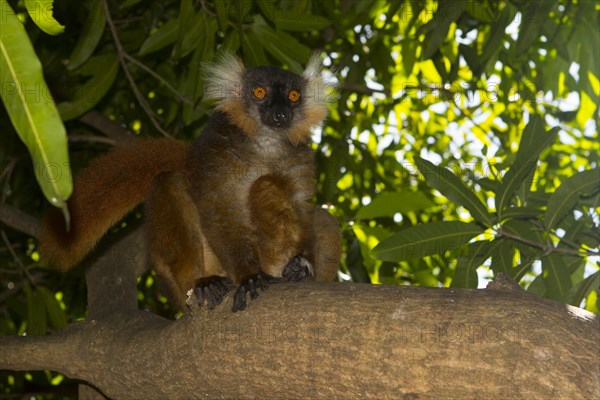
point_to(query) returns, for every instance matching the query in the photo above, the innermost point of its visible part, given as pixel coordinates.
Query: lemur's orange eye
(259, 92)
(294, 96)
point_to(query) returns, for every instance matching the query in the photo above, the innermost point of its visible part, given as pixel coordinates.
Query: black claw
(298, 269)
(212, 290)
(250, 285)
(253, 292)
(239, 300)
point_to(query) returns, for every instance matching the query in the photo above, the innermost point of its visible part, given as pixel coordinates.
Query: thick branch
(320, 340)
(19, 220)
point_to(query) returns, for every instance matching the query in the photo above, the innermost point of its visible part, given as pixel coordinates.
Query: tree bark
(333, 340)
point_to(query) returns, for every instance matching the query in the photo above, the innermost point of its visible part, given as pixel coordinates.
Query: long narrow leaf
(426, 239)
(556, 277)
(58, 318)
(580, 291)
(291, 21)
(164, 36)
(40, 12)
(32, 110)
(454, 189)
(502, 258)
(389, 203)
(566, 196)
(535, 139)
(103, 69)
(93, 28)
(281, 45)
(477, 253)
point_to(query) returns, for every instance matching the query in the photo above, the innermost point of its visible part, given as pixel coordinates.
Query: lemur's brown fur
(234, 207)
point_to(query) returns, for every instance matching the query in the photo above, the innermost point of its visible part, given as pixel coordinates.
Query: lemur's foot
(251, 284)
(211, 290)
(298, 269)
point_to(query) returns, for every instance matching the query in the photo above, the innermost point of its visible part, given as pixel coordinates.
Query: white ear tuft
(321, 85)
(224, 77)
(313, 68)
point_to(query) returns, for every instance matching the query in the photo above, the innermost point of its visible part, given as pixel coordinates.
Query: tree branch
(319, 340)
(19, 220)
(548, 249)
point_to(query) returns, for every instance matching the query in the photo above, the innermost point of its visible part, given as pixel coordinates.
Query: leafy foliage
(30, 105)
(463, 141)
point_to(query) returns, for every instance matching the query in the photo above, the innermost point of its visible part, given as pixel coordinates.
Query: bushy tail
(103, 193)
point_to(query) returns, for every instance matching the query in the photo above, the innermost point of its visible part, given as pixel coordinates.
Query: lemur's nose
(280, 118)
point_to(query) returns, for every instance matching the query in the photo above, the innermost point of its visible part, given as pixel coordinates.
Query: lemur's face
(273, 95)
(264, 100)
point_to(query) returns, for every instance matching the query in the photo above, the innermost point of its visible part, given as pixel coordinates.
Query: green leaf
(437, 28)
(186, 25)
(356, 264)
(389, 203)
(476, 254)
(426, 239)
(292, 21)
(488, 184)
(193, 35)
(538, 286)
(7, 327)
(454, 189)
(582, 289)
(232, 42)
(58, 318)
(502, 258)
(287, 49)
(530, 29)
(164, 36)
(40, 12)
(528, 235)
(494, 44)
(563, 200)
(522, 213)
(36, 312)
(103, 69)
(93, 28)
(535, 139)
(538, 198)
(192, 85)
(253, 51)
(222, 8)
(266, 8)
(32, 110)
(522, 269)
(556, 277)
(409, 55)
(527, 231)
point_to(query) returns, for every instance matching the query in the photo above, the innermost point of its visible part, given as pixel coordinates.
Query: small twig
(122, 61)
(6, 175)
(162, 80)
(546, 248)
(15, 257)
(92, 139)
